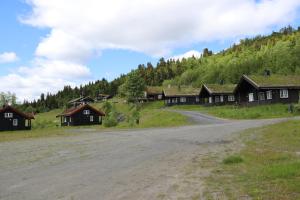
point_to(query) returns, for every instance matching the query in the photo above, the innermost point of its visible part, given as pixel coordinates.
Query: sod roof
(220, 89)
(154, 90)
(274, 80)
(181, 91)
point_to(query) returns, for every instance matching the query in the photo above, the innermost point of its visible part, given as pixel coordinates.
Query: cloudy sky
(48, 44)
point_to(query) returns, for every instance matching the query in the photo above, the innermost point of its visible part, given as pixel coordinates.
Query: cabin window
(86, 112)
(65, 119)
(159, 96)
(91, 118)
(284, 94)
(269, 94)
(222, 98)
(251, 97)
(231, 98)
(174, 100)
(70, 119)
(8, 115)
(15, 122)
(182, 99)
(197, 99)
(210, 100)
(261, 96)
(217, 99)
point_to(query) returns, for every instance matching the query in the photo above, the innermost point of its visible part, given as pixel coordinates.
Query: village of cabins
(250, 90)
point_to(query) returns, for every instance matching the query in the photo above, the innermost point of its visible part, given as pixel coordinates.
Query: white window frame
(217, 99)
(15, 122)
(261, 96)
(222, 98)
(269, 95)
(231, 98)
(91, 118)
(65, 119)
(182, 99)
(210, 100)
(197, 99)
(284, 93)
(251, 97)
(159, 96)
(8, 115)
(86, 112)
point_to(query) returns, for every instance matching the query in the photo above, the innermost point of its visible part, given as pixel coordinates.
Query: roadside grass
(239, 112)
(270, 167)
(47, 125)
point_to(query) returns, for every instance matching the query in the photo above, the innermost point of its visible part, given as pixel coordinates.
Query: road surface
(134, 164)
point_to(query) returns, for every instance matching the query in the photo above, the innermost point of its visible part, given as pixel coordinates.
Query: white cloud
(8, 57)
(188, 54)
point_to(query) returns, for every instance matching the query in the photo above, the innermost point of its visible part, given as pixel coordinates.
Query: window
(65, 119)
(15, 122)
(217, 99)
(174, 100)
(251, 97)
(70, 119)
(197, 99)
(182, 99)
(284, 94)
(231, 98)
(159, 96)
(222, 98)
(8, 115)
(269, 94)
(91, 118)
(86, 112)
(210, 99)
(261, 96)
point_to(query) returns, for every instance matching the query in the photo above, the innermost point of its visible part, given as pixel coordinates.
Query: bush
(233, 160)
(110, 120)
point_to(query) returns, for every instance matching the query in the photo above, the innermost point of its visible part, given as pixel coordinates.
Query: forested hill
(278, 52)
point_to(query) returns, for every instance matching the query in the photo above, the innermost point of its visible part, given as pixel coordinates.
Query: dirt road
(137, 164)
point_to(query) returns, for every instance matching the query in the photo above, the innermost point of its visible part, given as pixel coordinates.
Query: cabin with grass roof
(216, 94)
(154, 93)
(81, 115)
(181, 95)
(266, 89)
(12, 119)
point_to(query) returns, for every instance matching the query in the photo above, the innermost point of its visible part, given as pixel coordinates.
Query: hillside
(278, 52)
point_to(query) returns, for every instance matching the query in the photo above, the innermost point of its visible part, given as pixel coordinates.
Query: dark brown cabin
(214, 94)
(80, 101)
(253, 90)
(183, 95)
(154, 93)
(81, 115)
(12, 119)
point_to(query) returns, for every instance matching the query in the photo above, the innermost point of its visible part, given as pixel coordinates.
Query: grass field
(46, 124)
(236, 112)
(268, 167)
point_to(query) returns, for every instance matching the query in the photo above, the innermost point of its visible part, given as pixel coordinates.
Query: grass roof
(181, 91)
(154, 89)
(275, 80)
(220, 89)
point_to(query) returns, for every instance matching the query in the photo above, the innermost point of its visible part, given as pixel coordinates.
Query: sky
(45, 45)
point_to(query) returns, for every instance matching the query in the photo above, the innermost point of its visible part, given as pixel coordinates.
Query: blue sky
(48, 44)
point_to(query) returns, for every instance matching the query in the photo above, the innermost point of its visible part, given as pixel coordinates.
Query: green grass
(47, 125)
(236, 112)
(270, 167)
(235, 159)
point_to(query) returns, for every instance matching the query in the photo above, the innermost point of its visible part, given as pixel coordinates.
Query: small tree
(134, 87)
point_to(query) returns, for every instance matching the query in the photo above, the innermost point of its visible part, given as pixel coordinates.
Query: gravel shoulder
(134, 164)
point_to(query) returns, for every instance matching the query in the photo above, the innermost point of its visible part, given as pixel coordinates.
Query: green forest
(278, 52)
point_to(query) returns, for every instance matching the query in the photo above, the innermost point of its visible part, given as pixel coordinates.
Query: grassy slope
(267, 168)
(235, 112)
(46, 124)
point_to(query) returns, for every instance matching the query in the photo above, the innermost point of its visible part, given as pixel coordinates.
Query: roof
(219, 89)
(273, 81)
(73, 110)
(12, 109)
(154, 90)
(81, 99)
(181, 91)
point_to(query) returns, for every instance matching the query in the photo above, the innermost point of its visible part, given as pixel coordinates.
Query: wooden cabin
(81, 115)
(183, 95)
(12, 119)
(216, 94)
(253, 90)
(80, 101)
(103, 97)
(153, 93)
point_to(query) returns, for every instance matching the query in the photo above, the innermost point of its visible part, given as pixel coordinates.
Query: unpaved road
(139, 164)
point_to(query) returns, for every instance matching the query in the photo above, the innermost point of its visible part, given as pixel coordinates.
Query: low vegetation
(268, 167)
(236, 112)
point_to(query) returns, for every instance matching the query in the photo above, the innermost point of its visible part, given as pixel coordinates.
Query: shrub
(233, 160)
(110, 120)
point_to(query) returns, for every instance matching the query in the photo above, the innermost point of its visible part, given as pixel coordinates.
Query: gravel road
(134, 164)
